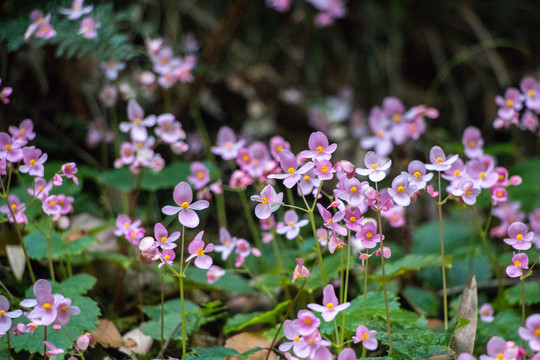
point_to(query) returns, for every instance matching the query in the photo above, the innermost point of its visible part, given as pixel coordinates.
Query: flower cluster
(519, 107)
(392, 125)
(329, 11)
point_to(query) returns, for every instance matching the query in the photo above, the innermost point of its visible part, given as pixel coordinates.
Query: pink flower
(331, 306)
(467, 191)
(319, 148)
(84, 341)
(306, 322)
(214, 273)
(25, 131)
(4, 94)
(395, 215)
(277, 143)
(300, 271)
(292, 332)
(53, 350)
(162, 237)
(486, 313)
(45, 309)
(520, 238)
(279, 5)
(332, 222)
(439, 161)
(510, 105)
(531, 332)
(197, 250)
(228, 243)
(347, 354)
(137, 125)
(17, 208)
(291, 226)
(416, 174)
(6, 315)
(227, 146)
(69, 170)
(89, 28)
(353, 218)
(519, 261)
(183, 196)
(33, 161)
(269, 201)
(366, 337)
(465, 356)
(368, 235)
(200, 175)
(167, 257)
(323, 169)
(77, 10)
(168, 129)
(364, 256)
(401, 190)
(352, 191)
(11, 148)
(473, 142)
(111, 69)
(65, 309)
(497, 350)
(289, 164)
(375, 168)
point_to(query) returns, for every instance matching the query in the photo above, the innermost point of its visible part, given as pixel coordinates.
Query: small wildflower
(531, 332)
(520, 261)
(520, 237)
(330, 307)
(77, 10)
(198, 251)
(300, 271)
(6, 316)
(439, 161)
(486, 313)
(183, 197)
(366, 337)
(214, 273)
(375, 168)
(269, 201)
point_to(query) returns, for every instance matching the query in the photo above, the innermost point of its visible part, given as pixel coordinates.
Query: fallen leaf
(17, 260)
(107, 335)
(136, 342)
(463, 341)
(247, 341)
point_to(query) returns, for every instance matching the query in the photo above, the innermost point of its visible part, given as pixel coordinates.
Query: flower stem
(319, 253)
(383, 270)
(221, 212)
(346, 287)
(181, 280)
(44, 345)
(8, 346)
(49, 256)
(162, 310)
(443, 262)
(365, 289)
(251, 222)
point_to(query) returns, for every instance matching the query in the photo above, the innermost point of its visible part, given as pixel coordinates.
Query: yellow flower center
(126, 224)
(8, 147)
(471, 143)
(163, 239)
(200, 174)
(200, 251)
(68, 167)
(482, 175)
(537, 332)
(510, 102)
(264, 201)
(339, 246)
(46, 306)
(519, 236)
(279, 148)
(14, 206)
(228, 144)
(379, 133)
(137, 121)
(32, 162)
(64, 308)
(298, 276)
(167, 257)
(296, 338)
(60, 201)
(2, 312)
(530, 92)
(468, 191)
(330, 221)
(439, 160)
(324, 169)
(291, 170)
(501, 177)
(185, 205)
(500, 356)
(400, 188)
(417, 174)
(307, 321)
(40, 188)
(365, 336)
(499, 194)
(227, 243)
(396, 117)
(166, 126)
(245, 158)
(457, 172)
(319, 149)
(354, 189)
(306, 177)
(139, 144)
(311, 341)
(52, 202)
(352, 218)
(329, 305)
(369, 235)
(517, 263)
(22, 131)
(374, 166)
(291, 223)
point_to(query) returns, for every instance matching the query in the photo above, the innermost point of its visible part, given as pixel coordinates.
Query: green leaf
(269, 282)
(505, 325)
(36, 245)
(462, 322)
(331, 266)
(87, 257)
(527, 192)
(72, 288)
(172, 319)
(167, 178)
(416, 343)
(214, 353)
(408, 263)
(423, 301)
(240, 321)
(532, 293)
(196, 279)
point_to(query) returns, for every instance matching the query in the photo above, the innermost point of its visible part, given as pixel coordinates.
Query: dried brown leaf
(247, 341)
(463, 341)
(107, 335)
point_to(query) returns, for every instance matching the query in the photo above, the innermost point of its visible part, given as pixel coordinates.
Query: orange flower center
(319, 148)
(530, 92)
(417, 174)
(471, 143)
(510, 102)
(227, 243)
(2, 312)
(365, 336)
(307, 321)
(396, 117)
(482, 175)
(137, 121)
(200, 251)
(291, 223)
(52, 202)
(264, 200)
(374, 166)
(14, 206)
(228, 144)
(324, 169)
(8, 147)
(517, 263)
(354, 189)
(537, 332)
(400, 188)
(352, 218)
(245, 158)
(185, 204)
(519, 236)
(330, 305)
(298, 276)
(296, 338)
(200, 174)
(499, 194)
(290, 171)
(369, 235)
(439, 160)
(279, 148)
(457, 172)
(46, 306)
(32, 162)
(500, 356)
(306, 177)
(64, 308)
(163, 239)
(330, 221)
